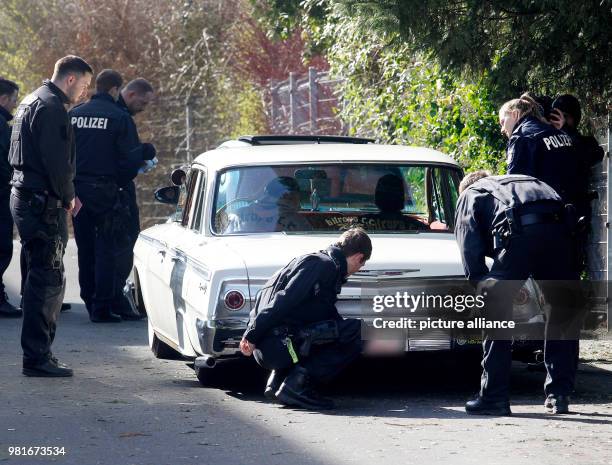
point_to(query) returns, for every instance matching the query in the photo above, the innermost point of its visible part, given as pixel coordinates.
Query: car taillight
(234, 300)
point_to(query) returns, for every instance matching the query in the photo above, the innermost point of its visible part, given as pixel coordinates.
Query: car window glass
(332, 197)
(200, 200)
(192, 182)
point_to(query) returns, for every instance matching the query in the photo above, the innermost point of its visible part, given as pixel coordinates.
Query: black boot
(275, 380)
(49, 369)
(296, 391)
(480, 406)
(65, 307)
(7, 310)
(557, 404)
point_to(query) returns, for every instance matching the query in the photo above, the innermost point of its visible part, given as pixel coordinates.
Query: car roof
(242, 154)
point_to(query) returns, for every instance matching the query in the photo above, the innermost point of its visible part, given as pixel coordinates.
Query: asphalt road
(125, 407)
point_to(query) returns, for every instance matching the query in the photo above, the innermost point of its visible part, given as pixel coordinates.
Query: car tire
(159, 348)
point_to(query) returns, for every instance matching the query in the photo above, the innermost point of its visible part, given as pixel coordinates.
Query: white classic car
(247, 208)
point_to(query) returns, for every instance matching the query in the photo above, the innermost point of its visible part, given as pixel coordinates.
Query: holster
(322, 332)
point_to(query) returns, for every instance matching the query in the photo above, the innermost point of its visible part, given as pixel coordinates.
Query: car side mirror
(168, 195)
(178, 177)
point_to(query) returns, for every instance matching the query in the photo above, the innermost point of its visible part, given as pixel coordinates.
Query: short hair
(107, 79)
(7, 87)
(569, 104)
(471, 178)
(71, 64)
(140, 86)
(525, 105)
(354, 241)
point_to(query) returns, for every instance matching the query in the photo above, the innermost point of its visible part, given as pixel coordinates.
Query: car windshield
(382, 198)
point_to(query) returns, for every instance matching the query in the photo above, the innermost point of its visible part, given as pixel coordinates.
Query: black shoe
(557, 404)
(49, 369)
(275, 380)
(65, 307)
(295, 391)
(8, 310)
(480, 406)
(105, 318)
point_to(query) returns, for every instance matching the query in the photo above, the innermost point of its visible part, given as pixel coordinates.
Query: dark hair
(107, 79)
(7, 87)
(140, 86)
(71, 64)
(569, 104)
(354, 241)
(544, 101)
(471, 178)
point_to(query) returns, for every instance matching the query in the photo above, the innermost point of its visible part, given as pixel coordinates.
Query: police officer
(535, 148)
(133, 99)
(8, 101)
(42, 157)
(295, 329)
(566, 115)
(104, 149)
(520, 223)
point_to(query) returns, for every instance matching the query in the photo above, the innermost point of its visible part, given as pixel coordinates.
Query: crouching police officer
(521, 223)
(295, 329)
(105, 151)
(42, 157)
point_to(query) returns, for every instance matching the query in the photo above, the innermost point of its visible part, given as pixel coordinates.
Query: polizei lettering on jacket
(557, 141)
(89, 122)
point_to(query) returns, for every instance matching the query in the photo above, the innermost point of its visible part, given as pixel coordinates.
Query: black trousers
(96, 245)
(542, 252)
(6, 233)
(124, 254)
(324, 361)
(44, 284)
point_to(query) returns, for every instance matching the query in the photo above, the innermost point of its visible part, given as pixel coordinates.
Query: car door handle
(176, 259)
(162, 253)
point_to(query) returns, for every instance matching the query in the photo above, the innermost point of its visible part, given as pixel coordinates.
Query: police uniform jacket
(480, 211)
(538, 149)
(42, 150)
(303, 292)
(589, 154)
(5, 142)
(105, 146)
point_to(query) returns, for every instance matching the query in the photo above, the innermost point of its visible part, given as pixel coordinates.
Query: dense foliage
(547, 46)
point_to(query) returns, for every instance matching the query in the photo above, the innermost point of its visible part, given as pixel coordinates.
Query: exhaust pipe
(205, 361)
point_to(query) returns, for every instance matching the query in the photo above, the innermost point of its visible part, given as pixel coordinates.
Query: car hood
(420, 255)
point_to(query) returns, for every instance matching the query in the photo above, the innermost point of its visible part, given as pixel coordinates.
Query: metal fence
(180, 130)
(306, 105)
(599, 248)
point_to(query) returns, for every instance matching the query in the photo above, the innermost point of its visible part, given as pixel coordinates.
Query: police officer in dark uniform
(133, 99)
(42, 157)
(521, 223)
(538, 149)
(295, 329)
(107, 156)
(566, 115)
(8, 101)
